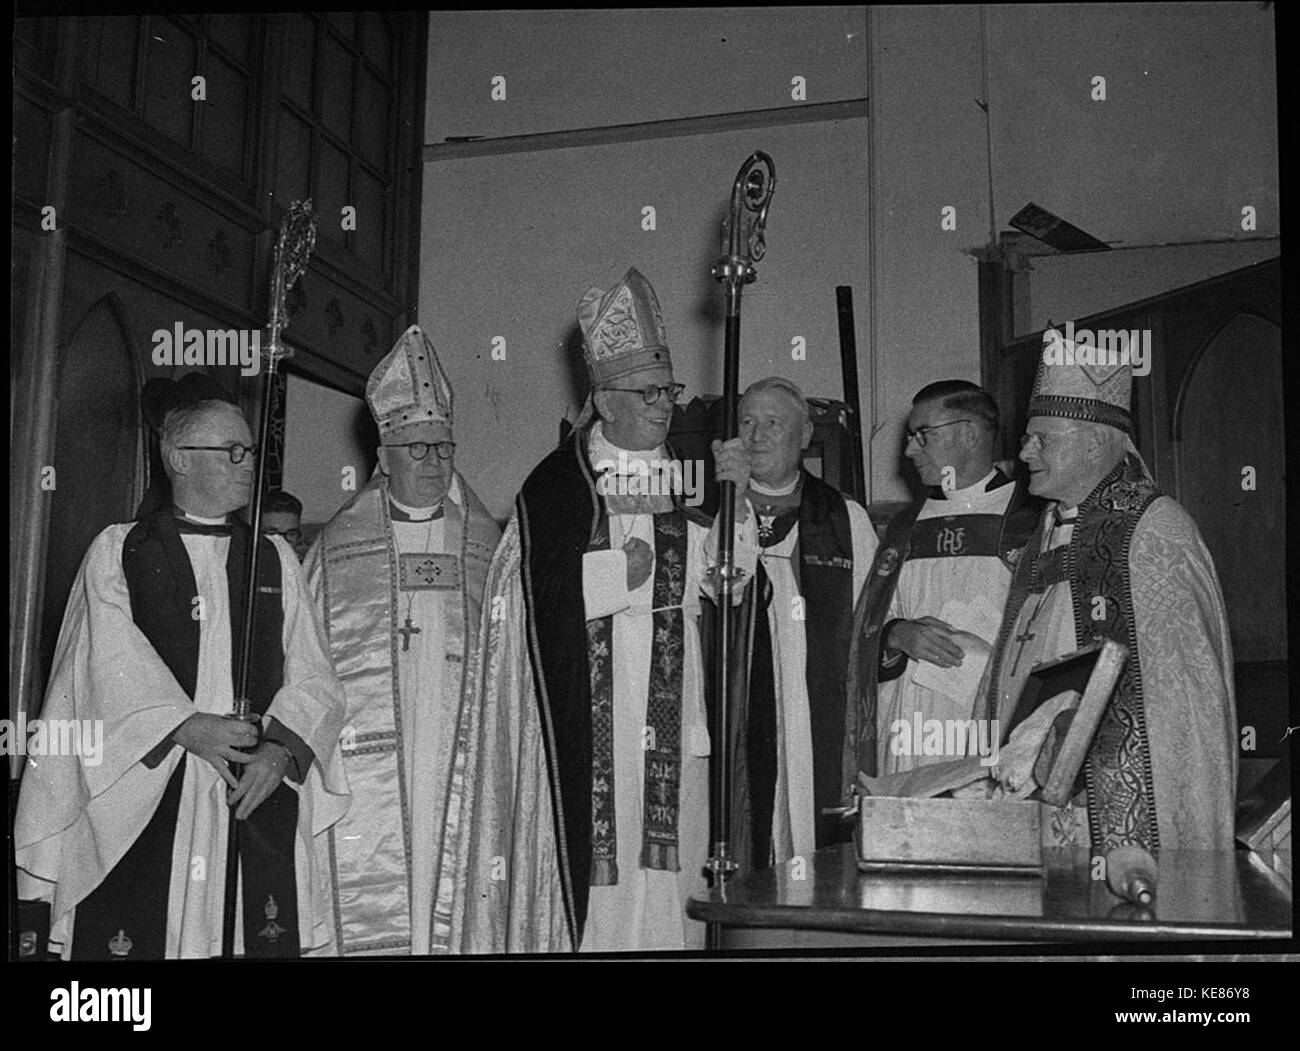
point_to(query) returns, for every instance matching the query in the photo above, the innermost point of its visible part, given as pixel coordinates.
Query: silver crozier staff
(292, 250)
(743, 246)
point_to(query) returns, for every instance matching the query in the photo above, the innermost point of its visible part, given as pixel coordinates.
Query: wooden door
(1230, 462)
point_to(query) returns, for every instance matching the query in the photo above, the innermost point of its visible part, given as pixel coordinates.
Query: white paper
(927, 781)
(962, 681)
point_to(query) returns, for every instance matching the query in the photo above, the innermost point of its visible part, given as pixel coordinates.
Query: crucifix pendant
(406, 631)
(1022, 638)
(1027, 635)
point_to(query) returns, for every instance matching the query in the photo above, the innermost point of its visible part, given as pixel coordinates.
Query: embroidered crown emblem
(272, 931)
(888, 560)
(120, 945)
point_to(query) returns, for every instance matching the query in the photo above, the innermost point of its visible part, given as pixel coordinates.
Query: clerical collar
(199, 519)
(601, 448)
(400, 512)
(995, 479)
(777, 490)
(1065, 515)
(197, 525)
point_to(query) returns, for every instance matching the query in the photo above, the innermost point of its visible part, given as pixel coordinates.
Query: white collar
(970, 492)
(777, 490)
(423, 514)
(223, 520)
(601, 448)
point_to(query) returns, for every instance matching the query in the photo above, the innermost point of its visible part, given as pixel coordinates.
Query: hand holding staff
(292, 251)
(744, 245)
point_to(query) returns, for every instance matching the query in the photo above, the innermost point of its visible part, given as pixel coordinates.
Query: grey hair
(1113, 440)
(179, 425)
(782, 384)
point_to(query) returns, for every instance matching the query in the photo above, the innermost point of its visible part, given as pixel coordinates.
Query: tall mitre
(408, 389)
(1091, 393)
(622, 330)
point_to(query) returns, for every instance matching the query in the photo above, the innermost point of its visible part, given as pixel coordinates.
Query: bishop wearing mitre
(397, 576)
(587, 742)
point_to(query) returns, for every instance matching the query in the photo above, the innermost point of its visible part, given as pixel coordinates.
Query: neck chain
(410, 598)
(1028, 634)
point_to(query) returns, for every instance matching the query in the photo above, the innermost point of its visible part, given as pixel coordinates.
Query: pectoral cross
(1026, 635)
(1022, 638)
(406, 631)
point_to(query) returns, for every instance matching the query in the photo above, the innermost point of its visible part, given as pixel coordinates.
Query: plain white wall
(585, 69)
(1187, 135)
(1186, 138)
(930, 155)
(510, 244)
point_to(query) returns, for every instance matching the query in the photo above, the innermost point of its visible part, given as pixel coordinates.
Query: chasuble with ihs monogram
(401, 601)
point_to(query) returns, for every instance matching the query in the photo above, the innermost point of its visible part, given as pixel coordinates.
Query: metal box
(903, 834)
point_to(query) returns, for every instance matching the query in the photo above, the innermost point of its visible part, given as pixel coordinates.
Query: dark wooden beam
(850, 109)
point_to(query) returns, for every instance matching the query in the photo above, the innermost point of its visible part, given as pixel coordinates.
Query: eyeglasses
(651, 394)
(419, 450)
(922, 434)
(291, 535)
(237, 452)
(1041, 439)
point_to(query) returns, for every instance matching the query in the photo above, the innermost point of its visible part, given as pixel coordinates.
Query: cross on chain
(406, 632)
(1026, 635)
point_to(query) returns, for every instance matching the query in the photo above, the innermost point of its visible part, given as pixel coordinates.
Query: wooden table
(1200, 894)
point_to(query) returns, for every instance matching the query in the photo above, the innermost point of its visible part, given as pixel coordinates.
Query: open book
(1031, 749)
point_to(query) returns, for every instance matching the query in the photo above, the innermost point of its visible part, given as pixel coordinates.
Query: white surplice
(76, 820)
(967, 591)
(794, 815)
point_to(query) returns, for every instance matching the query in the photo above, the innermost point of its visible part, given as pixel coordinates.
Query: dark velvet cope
(559, 514)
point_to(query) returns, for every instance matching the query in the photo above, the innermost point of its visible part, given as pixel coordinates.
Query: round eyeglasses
(237, 452)
(419, 450)
(652, 393)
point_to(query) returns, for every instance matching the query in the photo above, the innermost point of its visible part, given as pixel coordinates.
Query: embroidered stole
(1120, 786)
(663, 731)
(363, 577)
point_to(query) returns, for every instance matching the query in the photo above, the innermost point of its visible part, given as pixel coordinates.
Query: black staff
(292, 250)
(743, 245)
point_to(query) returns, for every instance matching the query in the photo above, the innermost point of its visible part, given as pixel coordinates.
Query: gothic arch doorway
(1229, 422)
(98, 461)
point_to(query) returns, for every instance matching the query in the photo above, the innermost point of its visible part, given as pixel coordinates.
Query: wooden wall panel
(162, 222)
(170, 206)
